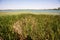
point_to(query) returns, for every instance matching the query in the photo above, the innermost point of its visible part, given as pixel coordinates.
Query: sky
(29, 4)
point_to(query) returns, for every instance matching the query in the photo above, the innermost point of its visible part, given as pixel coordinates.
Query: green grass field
(28, 26)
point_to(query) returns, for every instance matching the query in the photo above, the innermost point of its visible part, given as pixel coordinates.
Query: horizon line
(29, 8)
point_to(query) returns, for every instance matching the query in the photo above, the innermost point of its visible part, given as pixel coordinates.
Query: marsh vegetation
(30, 27)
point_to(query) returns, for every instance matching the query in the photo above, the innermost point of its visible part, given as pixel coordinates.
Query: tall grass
(37, 27)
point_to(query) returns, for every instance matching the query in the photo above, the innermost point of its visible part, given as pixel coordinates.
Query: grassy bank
(28, 12)
(30, 27)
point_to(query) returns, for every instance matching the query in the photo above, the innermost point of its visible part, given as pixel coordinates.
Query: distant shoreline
(31, 10)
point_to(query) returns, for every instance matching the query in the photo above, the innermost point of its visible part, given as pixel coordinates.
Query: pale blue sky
(29, 4)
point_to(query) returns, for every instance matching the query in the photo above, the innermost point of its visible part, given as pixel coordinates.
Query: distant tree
(59, 8)
(54, 9)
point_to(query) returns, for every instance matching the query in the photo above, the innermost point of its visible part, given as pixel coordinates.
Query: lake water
(58, 11)
(44, 10)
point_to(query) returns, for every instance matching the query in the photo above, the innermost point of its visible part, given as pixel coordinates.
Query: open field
(28, 26)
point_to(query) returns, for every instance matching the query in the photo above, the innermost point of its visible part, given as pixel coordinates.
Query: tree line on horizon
(57, 8)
